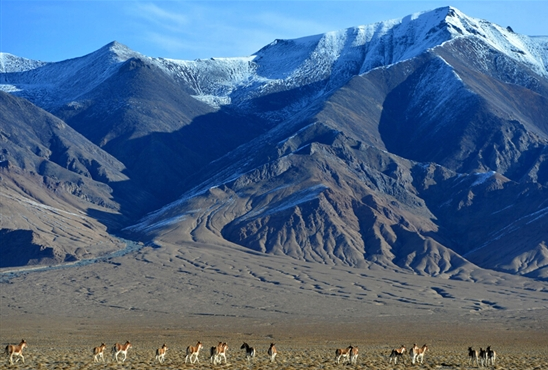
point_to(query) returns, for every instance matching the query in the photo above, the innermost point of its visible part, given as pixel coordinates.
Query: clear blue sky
(58, 30)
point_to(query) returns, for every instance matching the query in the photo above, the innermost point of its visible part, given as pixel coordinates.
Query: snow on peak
(322, 63)
(530, 51)
(10, 63)
(50, 85)
(117, 52)
(327, 61)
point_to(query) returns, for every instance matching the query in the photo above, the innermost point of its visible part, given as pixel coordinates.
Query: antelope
(98, 352)
(221, 352)
(354, 355)
(397, 352)
(491, 356)
(217, 352)
(16, 350)
(161, 354)
(272, 352)
(193, 352)
(418, 353)
(213, 354)
(249, 351)
(344, 353)
(483, 356)
(121, 348)
(473, 355)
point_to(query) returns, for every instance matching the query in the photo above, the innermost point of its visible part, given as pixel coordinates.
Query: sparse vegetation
(57, 349)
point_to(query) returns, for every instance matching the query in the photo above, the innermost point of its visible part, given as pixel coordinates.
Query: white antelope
(418, 353)
(272, 352)
(491, 356)
(249, 351)
(121, 348)
(98, 352)
(192, 352)
(473, 356)
(354, 355)
(161, 354)
(343, 353)
(16, 350)
(397, 352)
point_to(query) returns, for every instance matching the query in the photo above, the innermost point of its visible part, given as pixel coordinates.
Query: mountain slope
(407, 144)
(486, 118)
(60, 193)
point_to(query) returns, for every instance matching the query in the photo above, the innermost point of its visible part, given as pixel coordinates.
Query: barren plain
(182, 294)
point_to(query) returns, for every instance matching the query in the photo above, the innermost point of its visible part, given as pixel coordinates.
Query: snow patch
(299, 197)
(482, 177)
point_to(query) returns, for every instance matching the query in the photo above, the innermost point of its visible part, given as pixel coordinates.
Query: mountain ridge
(359, 146)
(429, 28)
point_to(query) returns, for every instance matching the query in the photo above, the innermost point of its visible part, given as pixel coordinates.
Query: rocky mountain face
(57, 189)
(417, 144)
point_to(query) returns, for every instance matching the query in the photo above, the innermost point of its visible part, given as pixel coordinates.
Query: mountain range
(417, 145)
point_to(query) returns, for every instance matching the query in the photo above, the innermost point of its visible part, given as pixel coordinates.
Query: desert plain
(181, 294)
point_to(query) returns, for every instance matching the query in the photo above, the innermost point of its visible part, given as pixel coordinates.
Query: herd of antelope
(217, 353)
(483, 357)
(416, 353)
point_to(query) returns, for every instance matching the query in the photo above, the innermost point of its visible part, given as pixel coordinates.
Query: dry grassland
(300, 347)
(292, 356)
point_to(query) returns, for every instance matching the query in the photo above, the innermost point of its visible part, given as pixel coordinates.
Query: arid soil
(181, 295)
(54, 344)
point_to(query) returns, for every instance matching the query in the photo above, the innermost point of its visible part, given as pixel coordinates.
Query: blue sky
(58, 30)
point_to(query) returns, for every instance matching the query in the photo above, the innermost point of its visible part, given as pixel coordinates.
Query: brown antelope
(192, 352)
(354, 355)
(16, 350)
(397, 352)
(98, 352)
(161, 354)
(249, 351)
(343, 353)
(473, 356)
(217, 352)
(418, 353)
(491, 356)
(272, 352)
(221, 352)
(121, 348)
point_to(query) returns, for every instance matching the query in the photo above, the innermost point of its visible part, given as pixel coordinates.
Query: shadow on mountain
(467, 111)
(23, 247)
(166, 164)
(157, 164)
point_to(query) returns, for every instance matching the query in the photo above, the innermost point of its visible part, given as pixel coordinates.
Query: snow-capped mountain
(50, 85)
(328, 60)
(418, 143)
